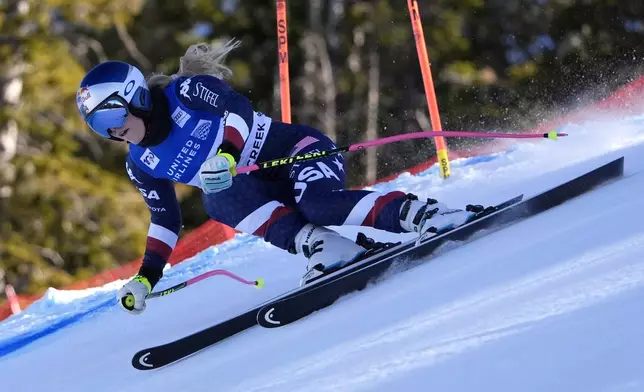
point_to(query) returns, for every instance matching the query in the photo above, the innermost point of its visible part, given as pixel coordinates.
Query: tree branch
(131, 47)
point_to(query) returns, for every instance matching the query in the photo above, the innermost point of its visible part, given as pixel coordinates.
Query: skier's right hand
(217, 173)
(131, 296)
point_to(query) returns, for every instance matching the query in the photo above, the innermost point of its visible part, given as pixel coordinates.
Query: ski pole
(258, 283)
(128, 300)
(391, 139)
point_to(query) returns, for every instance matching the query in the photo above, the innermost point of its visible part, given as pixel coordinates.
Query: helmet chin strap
(152, 136)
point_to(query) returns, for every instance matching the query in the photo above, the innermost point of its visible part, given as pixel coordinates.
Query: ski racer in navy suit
(193, 128)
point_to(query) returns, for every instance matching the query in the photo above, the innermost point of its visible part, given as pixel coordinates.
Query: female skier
(193, 128)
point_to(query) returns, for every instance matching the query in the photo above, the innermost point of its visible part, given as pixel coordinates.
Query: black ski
(324, 292)
(327, 289)
(162, 355)
(155, 357)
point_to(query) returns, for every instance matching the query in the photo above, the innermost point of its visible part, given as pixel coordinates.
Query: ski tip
(259, 283)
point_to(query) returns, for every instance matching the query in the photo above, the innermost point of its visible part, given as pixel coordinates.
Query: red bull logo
(82, 96)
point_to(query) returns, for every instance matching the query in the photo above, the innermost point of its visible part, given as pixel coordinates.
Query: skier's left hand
(131, 297)
(217, 173)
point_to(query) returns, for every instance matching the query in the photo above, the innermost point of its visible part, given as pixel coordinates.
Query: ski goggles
(109, 114)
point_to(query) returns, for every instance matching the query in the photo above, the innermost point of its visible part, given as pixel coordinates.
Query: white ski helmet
(108, 93)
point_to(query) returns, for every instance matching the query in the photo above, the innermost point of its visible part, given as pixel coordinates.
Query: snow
(552, 303)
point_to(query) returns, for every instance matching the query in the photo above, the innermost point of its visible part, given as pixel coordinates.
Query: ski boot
(326, 250)
(431, 218)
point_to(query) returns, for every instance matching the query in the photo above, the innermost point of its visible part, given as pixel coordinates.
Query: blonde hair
(200, 59)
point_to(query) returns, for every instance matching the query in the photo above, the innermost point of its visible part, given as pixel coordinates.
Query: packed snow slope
(553, 303)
